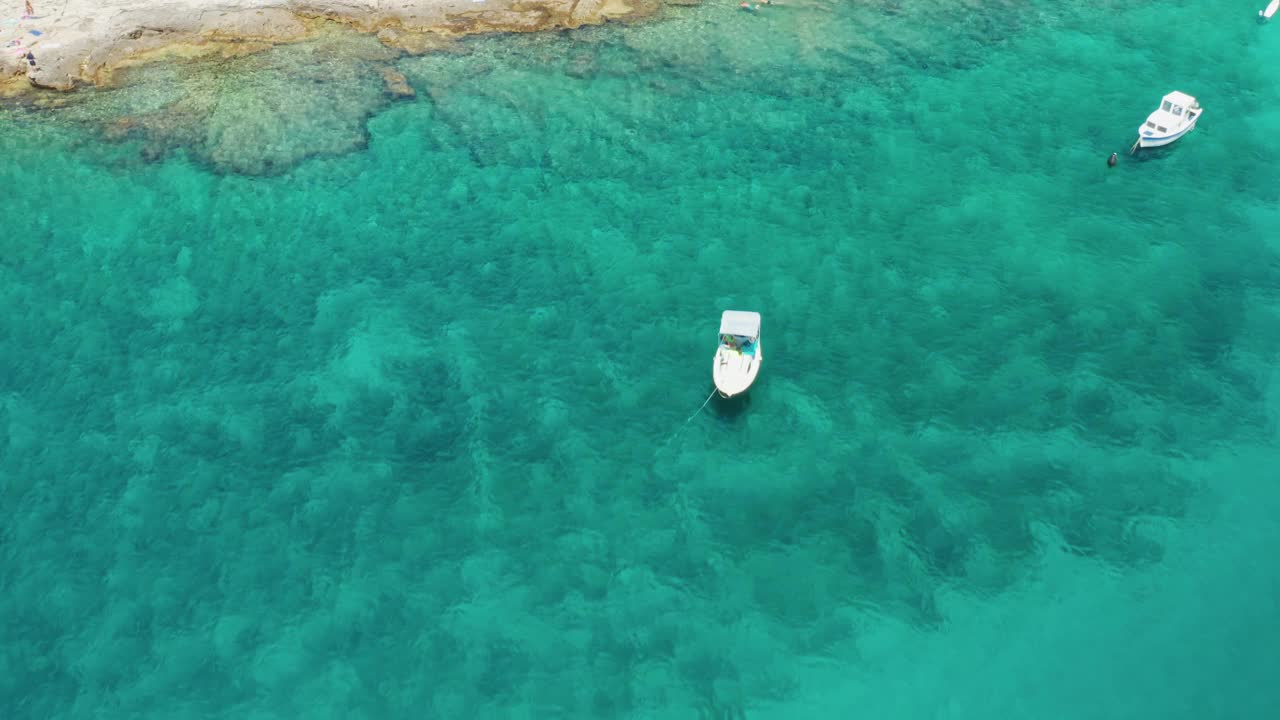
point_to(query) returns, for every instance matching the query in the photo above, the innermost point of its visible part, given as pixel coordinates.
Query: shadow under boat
(729, 408)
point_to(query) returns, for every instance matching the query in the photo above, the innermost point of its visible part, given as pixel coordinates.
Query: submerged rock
(256, 115)
(396, 84)
(253, 86)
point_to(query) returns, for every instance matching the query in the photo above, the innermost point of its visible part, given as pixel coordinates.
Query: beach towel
(37, 33)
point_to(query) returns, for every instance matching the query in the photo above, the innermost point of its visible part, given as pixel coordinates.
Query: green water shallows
(383, 427)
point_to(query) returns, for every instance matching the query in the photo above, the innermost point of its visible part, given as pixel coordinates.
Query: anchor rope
(686, 422)
(695, 412)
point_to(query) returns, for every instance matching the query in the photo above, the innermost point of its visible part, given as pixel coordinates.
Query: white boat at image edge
(1270, 10)
(1176, 116)
(738, 356)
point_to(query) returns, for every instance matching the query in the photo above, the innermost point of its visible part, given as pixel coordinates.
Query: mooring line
(686, 422)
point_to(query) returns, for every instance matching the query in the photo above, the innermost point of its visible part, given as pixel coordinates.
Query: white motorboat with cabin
(1176, 116)
(738, 356)
(1270, 10)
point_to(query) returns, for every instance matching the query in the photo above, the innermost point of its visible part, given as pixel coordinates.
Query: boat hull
(734, 371)
(1149, 141)
(1270, 10)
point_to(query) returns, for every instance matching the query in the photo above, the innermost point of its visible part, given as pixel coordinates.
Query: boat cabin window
(1151, 125)
(1162, 128)
(1166, 106)
(1177, 110)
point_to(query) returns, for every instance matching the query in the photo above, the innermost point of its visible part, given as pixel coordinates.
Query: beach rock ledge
(75, 42)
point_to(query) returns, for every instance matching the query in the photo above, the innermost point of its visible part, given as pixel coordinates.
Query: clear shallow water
(393, 427)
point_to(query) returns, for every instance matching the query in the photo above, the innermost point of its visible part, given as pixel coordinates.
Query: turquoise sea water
(315, 405)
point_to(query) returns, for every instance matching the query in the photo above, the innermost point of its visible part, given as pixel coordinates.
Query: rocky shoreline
(64, 44)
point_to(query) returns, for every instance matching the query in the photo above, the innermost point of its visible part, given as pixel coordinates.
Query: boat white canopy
(1176, 103)
(741, 323)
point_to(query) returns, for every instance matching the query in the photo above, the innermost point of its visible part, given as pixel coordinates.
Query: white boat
(1176, 116)
(738, 357)
(1270, 10)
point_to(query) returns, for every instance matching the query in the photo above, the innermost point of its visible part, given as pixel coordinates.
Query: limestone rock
(86, 40)
(413, 42)
(396, 84)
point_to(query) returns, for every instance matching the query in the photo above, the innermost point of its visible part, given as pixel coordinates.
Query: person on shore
(31, 59)
(31, 12)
